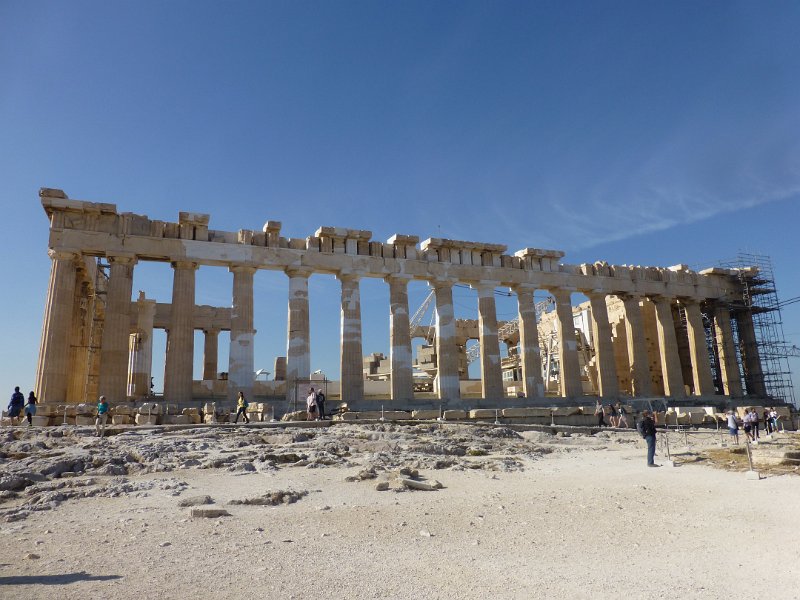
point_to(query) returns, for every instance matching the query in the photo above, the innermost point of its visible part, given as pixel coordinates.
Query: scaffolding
(760, 299)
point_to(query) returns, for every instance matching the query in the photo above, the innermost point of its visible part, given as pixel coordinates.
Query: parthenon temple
(645, 332)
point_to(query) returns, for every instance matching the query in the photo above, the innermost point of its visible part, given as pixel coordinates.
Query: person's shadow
(63, 579)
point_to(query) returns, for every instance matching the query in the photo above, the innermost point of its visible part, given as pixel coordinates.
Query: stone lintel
(436, 243)
(343, 233)
(403, 240)
(539, 253)
(271, 227)
(192, 218)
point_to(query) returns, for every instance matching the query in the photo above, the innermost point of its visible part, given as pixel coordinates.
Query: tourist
(30, 408)
(754, 423)
(102, 417)
(733, 426)
(600, 414)
(241, 404)
(613, 415)
(767, 424)
(647, 429)
(16, 404)
(311, 405)
(774, 417)
(321, 404)
(623, 415)
(747, 421)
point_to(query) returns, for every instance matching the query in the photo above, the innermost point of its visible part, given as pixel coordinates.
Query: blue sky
(648, 133)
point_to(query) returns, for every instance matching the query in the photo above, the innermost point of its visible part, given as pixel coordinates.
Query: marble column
(698, 351)
(241, 360)
(180, 336)
(668, 349)
(491, 371)
(608, 382)
(210, 354)
(78, 369)
(141, 363)
(637, 346)
(52, 370)
(350, 357)
(298, 343)
(570, 372)
(116, 330)
(748, 347)
(402, 377)
(530, 353)
(726, 349)
(447, 379)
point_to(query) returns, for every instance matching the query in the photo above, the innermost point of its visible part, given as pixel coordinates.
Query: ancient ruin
(644, 332)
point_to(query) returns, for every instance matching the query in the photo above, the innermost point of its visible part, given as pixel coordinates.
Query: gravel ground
(507, 515)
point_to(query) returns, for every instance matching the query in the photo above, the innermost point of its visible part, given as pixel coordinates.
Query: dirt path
(589, 521)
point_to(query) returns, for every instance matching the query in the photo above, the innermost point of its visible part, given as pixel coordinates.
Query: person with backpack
(321, 404)
(242, 405)
(647, 429)
(623, 415)
(733, 426)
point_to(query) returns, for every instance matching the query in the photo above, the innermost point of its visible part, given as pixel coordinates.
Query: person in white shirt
(733, 426)
(311, 405)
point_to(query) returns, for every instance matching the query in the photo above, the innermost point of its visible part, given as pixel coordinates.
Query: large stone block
(146, 420)
(120, 420)
(454, 415)
(425, 414)
(526, 412)
(483, 413)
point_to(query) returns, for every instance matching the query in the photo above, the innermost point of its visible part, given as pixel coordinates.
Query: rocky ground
(386, 511)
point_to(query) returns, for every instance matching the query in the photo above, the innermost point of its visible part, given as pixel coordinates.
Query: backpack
(640, 427)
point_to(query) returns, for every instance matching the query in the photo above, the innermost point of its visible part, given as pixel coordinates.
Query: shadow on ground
(63, 579)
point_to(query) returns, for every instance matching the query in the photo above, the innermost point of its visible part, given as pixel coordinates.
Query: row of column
(120, 353)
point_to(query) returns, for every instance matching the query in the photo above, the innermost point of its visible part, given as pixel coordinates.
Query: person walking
(613, 415)
(767, 424)
(747, 421)
(647, 429)
(15, 404)
(321, 404)
(30, 408)
(623, 415)
(600, 414)
(102, 417)
(241, 408)
(311, 406)
(733, 426)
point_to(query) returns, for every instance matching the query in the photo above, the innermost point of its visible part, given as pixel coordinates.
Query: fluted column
(698, 351)
(210, 354)
(78, 368)
(608, 382)
(726, 348)
(491, 372)
(180, 337)
(51, 374)
(116, 329)
(668, 349)
(570, 376)
(447, 379)
(530, 354)
(402, 377)
(637, 346)
(142, 351)
(748, 347)
(350, 357)
(241, 361)
(298, 343)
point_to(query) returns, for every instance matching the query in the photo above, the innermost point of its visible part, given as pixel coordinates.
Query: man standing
(321, 404)
(16, 404)
(647, 429)
(102, 417)
(311, 406)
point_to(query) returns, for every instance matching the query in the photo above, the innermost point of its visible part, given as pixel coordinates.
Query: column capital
(523, 288)
(560, 291)
(655, 298)
(304, 272)
(247, 269)
(689, 301)
(398, 278)
(63, 254)
(211, 330)
(485, 288)
(122, 259)
(347, 276)
(184, 264)
(442, 282)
